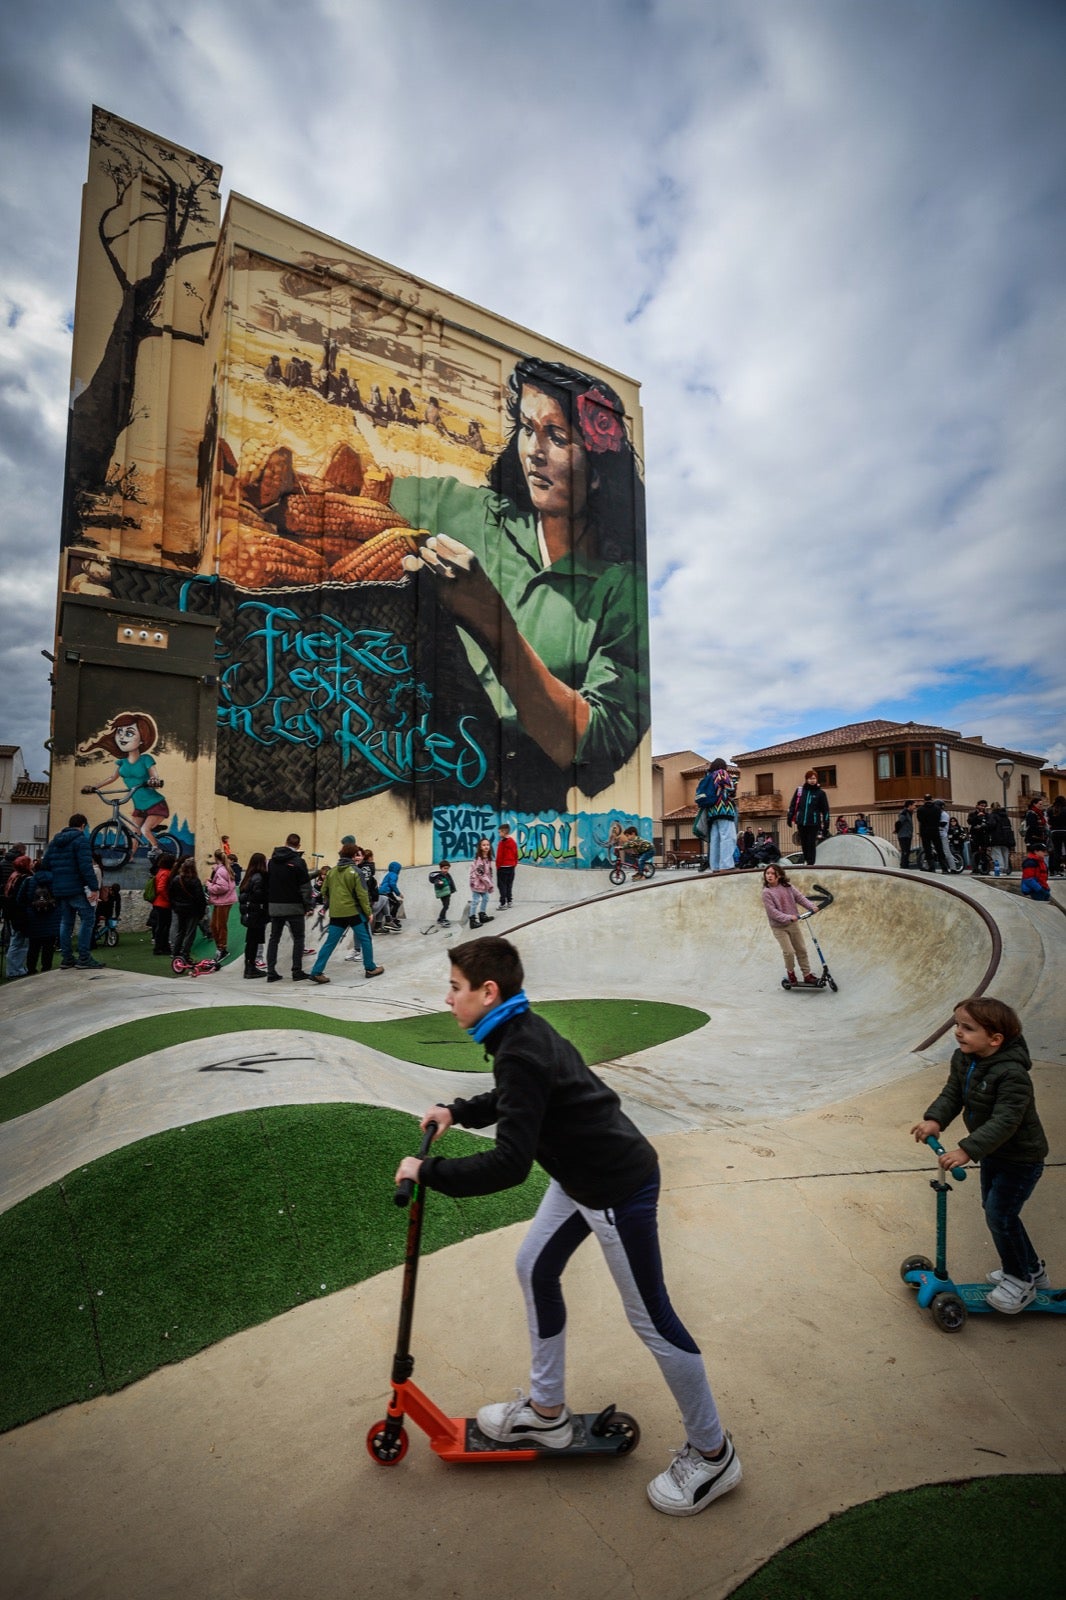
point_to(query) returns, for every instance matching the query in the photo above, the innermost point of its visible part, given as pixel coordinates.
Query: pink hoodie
(781, 902)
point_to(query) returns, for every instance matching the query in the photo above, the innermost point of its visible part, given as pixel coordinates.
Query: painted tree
(164, 209)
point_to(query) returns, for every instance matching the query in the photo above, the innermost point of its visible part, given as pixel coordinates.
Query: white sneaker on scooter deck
(515, 1422)
(1039, 1279)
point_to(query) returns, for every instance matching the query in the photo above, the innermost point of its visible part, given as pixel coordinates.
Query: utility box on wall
(413, 532)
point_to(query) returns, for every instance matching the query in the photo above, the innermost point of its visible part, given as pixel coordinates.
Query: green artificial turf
(601, 1029)
(155, 1251)
(996, 1538)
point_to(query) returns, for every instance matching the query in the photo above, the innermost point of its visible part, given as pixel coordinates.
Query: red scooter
(605, 1433)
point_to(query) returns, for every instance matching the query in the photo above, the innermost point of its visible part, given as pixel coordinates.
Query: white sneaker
(1011, 1295)
(691, 1482)
(351, 956)
(1039, 1279)
(516, 1422)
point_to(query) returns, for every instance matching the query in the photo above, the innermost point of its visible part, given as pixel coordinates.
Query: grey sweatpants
(629, 1238)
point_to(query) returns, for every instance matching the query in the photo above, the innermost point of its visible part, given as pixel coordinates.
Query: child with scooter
(604, 1179)
(990, 1083)
(782, 903)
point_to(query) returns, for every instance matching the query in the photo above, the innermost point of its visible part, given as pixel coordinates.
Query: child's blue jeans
(1005, 1187)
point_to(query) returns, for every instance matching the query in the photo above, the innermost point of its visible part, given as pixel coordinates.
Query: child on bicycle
(990, 1083)
(637, 851)
(782, 903)
(604, 1179)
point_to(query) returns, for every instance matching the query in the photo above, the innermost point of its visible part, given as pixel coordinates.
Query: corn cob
(256, 563)
(277, 478)
(345, 471)
(338, 517)
(380, 559)
(377, 484)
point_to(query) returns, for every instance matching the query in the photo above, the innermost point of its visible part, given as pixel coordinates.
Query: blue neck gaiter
(492, 1019)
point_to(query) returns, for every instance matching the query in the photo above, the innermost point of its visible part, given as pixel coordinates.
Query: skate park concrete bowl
(902, 950)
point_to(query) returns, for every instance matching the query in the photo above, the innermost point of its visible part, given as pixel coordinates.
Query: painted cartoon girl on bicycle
(130, 737)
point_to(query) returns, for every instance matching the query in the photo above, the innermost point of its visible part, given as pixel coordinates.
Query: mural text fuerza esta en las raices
(315, 687)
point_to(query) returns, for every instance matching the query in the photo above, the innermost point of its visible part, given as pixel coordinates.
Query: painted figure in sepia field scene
(544, 570)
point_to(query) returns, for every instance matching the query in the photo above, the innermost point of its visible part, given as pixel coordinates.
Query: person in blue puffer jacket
(70, 861)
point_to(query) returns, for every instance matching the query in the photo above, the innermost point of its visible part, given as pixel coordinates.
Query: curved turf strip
(996, 1538)
(154, 1251)
(601, 1030)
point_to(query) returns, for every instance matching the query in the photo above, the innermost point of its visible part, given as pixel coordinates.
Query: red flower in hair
(601, 426)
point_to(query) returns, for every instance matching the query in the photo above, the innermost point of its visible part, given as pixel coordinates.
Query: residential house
(674, 780)
(872, 767)
(29, 814)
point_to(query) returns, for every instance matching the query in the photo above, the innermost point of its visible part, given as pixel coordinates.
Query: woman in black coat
(188, 901)
(254, 915)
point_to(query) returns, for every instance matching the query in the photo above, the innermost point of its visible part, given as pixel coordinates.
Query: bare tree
(177, 192)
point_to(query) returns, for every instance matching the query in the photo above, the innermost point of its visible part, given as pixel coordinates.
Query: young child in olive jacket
(990, 1084)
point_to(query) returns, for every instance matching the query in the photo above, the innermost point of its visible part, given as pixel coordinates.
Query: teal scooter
(952, 1303)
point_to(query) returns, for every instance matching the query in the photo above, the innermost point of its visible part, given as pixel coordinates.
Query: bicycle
(618, 869)
(116, 841)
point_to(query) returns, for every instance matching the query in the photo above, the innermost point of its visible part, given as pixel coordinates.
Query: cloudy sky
(827, 236)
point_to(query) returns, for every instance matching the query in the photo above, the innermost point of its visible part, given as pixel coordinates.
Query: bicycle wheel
(111, 842)
(649, 870)
(618, 874)
(169, 844)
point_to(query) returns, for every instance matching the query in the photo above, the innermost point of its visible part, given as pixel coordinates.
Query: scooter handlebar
(405, 1189)
(958, 1173)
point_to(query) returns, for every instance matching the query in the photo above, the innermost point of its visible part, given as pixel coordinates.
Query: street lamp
(1004, 767)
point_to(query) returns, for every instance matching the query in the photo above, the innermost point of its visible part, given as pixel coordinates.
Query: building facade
(675, 778)
(873, 767)
(341, 553)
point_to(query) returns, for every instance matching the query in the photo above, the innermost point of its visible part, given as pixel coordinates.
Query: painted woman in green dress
(544, 572)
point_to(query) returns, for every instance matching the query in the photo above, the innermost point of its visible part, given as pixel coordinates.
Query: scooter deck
(585, 1442)
(974, 1296)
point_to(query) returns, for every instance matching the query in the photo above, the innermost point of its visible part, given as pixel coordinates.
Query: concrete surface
(791, 1193)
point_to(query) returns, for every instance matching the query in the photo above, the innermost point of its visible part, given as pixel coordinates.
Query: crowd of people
(61, 903)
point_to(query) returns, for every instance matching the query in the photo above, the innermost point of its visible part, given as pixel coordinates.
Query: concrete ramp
(856, 850)
(902, 950)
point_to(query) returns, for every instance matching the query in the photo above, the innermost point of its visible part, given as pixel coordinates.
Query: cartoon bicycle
(117, 840)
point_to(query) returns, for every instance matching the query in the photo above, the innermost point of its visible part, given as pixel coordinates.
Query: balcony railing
(760, 805)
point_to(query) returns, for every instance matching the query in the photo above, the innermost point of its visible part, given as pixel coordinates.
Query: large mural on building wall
(423, 548)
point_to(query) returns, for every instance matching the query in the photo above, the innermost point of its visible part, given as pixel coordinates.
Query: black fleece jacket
(550, 1107)
(997, 1105)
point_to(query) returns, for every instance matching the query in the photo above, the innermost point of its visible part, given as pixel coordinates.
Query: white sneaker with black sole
(691, 1482)
(1011, 1295)
(1039, 1278)
(515, 1422)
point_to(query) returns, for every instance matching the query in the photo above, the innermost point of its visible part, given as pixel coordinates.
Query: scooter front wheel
(914, 1264)
(949, 1312)
(831, 984)
(386, 1449)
